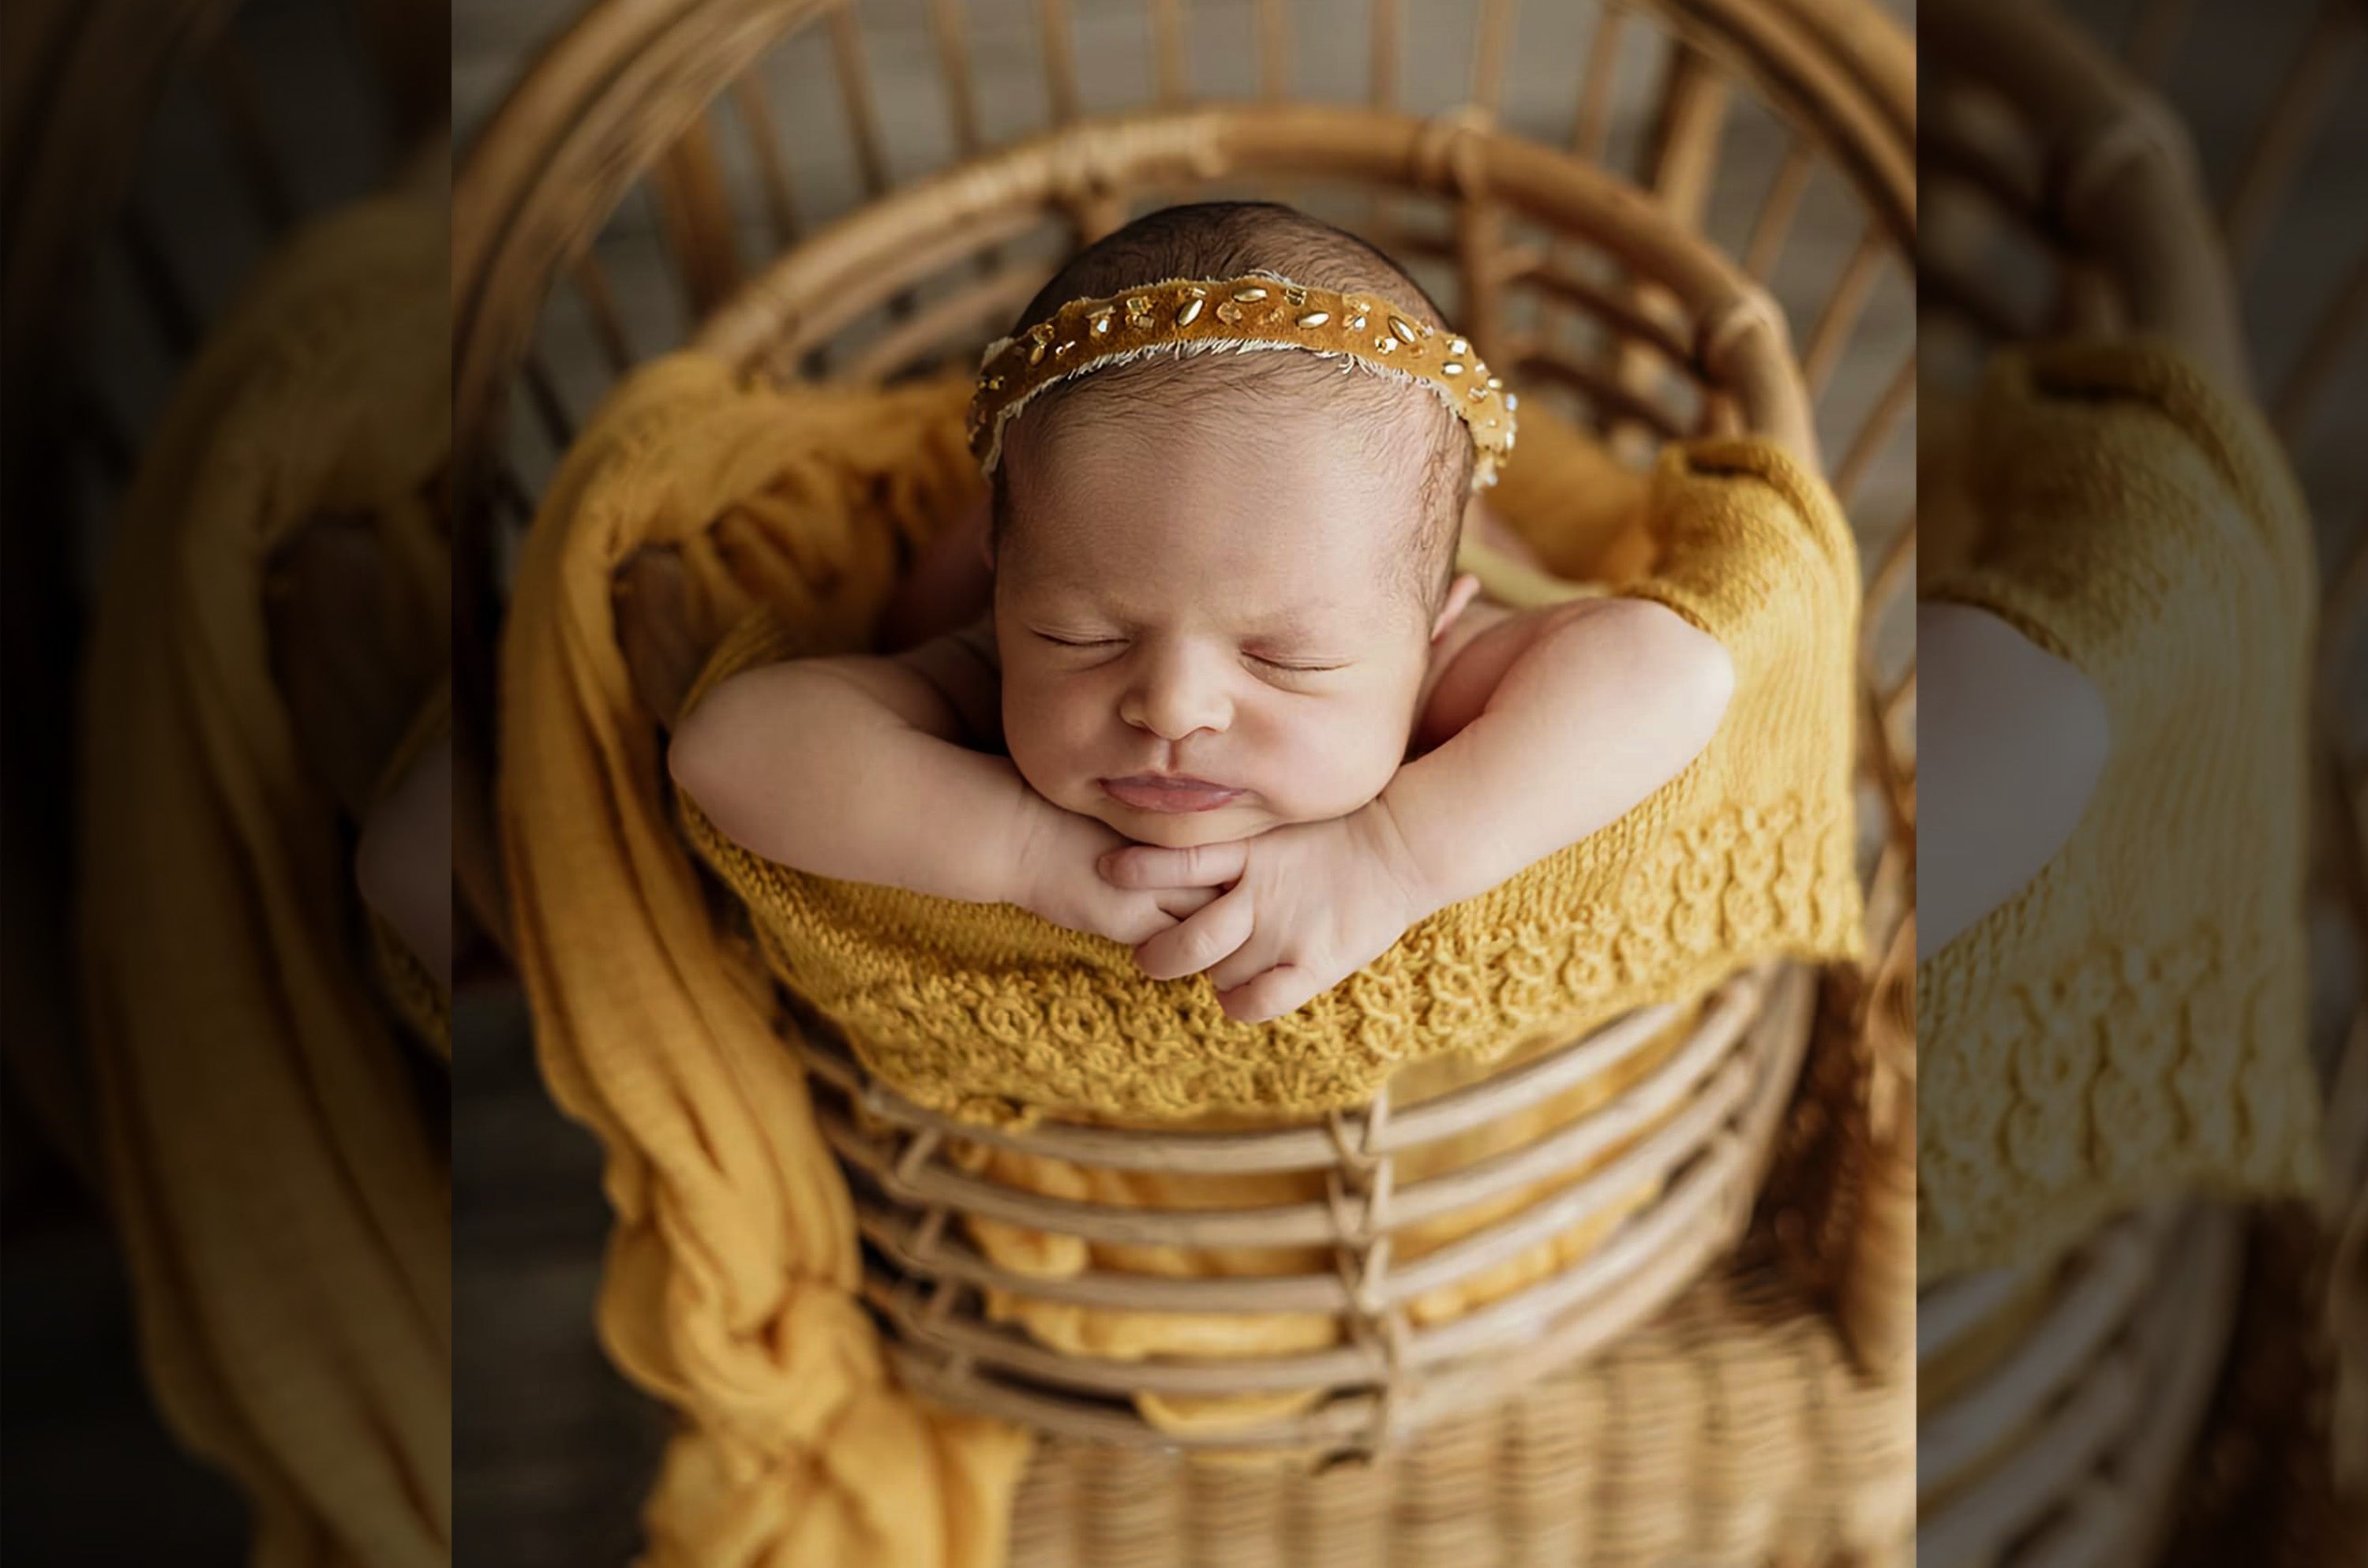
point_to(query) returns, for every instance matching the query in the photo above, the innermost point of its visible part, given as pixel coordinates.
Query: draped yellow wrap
(280, 1188)
(2132, 1023)
(735, 1255)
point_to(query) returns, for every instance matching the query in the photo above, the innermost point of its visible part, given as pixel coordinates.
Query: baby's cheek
(1339, 764)
(1052, 739)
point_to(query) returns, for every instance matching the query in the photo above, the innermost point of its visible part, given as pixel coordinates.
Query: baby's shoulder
(1453, 692)
(963, 667)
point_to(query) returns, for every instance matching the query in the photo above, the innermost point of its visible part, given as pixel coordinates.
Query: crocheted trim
(2106, 1081)
(1248, 315)
(1088, 1033)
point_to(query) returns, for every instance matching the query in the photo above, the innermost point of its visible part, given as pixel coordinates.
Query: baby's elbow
(699, 757)
(1710, 680)
(1696, 676)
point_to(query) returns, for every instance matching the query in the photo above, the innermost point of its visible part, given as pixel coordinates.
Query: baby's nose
(1176, 700)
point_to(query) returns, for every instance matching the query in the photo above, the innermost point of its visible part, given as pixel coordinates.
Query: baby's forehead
(1266, 597)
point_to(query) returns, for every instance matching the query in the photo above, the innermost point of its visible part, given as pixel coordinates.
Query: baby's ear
(1459, 595)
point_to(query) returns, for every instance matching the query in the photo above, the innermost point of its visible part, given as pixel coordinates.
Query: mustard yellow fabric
(731, 1276)
(280, 1189)
(2132, 1023)
(729, 1290)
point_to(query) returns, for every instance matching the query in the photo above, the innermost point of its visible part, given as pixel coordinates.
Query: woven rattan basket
(1496, 1436)
(2061, 1406)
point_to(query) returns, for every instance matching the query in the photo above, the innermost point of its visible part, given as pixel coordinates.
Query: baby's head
(1221, 566)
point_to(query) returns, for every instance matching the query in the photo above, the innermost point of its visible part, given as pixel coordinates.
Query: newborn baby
(1231, 704)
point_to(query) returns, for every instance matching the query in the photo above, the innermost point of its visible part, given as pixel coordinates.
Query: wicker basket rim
(898, 239)
(2119, 182)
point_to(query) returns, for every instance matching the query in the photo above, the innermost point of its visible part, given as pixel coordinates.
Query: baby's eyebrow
(1297, 622)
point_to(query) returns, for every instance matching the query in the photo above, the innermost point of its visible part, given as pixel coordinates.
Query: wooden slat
(1564, 284)
(2326, 58)
(1590, 122)
(1172, 60)
(1774, 219)
(755, 112)
(854, 95)
(2331, 341)
(1900, 695)
(1890, 576)
(1873, 431)
(1060, 41)
(988, 305)
(1382, 92)
(1681, 157)
(1611, 400)
(951, 28)
(1489, 41)
(1840, 312)
(1592, 125)
(1274, 49)
(591, 280)
(695, 212)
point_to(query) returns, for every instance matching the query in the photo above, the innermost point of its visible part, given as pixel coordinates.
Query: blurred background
(158, 151)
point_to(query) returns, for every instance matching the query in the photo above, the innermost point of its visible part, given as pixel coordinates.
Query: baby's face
(1202, 637)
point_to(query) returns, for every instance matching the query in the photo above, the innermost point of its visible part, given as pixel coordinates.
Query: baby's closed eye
(1296, 664)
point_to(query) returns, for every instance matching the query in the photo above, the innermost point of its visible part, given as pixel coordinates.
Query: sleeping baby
(1229, 700)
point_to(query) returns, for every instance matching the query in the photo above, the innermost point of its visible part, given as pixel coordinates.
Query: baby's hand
(1309, 905)
(1060, 882)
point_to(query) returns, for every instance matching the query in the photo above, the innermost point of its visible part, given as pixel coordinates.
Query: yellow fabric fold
(731, 1276)
(730, 1272)
(280, 1188)
(2132, 1023)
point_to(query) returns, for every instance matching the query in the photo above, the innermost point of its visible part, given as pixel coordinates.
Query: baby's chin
(1185, 830)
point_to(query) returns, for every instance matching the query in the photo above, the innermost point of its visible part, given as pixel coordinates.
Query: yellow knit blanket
(281, 1190)
(2131, 1024)
(735, 1255)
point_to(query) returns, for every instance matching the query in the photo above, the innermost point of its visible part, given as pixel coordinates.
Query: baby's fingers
(1249, 961)
(1283, 989)
(1148, 866)
(1181, 903)
(1199, 942)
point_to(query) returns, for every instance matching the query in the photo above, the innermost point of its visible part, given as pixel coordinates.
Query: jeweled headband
(1239, 315)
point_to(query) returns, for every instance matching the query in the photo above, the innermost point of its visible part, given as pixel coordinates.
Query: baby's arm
(2014, 741)
(1552, 724)
(855, 769)
(850, 767)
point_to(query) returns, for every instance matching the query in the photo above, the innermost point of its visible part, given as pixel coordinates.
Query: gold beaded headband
(1241, 315)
